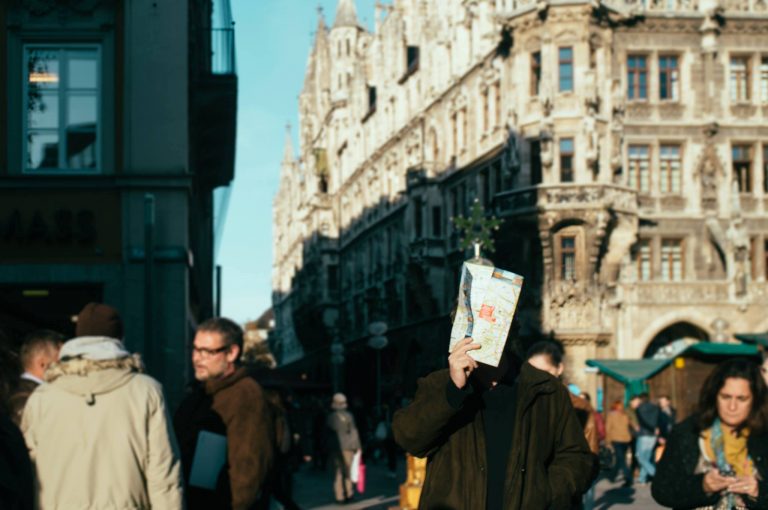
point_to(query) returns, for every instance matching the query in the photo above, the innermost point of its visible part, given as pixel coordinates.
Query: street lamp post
(337, 358)
(377, 342)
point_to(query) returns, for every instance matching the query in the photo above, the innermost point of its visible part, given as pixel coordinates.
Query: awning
(629, 371)
(634, 372)
(753, 338)
(711, 349)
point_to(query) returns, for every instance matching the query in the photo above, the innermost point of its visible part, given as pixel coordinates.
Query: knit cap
(98, 319)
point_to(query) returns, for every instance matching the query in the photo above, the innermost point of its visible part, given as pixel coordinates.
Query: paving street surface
(314, 489)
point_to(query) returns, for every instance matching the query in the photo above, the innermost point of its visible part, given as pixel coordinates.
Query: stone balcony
(566, 197)
(676, 293)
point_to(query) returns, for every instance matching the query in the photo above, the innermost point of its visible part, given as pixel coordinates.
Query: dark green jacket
(549, 464)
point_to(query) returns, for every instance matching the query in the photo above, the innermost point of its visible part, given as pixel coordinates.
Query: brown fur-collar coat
(234, 406)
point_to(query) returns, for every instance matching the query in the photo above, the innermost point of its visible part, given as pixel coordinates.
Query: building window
(739, 79)
(742, 167)
(463, 115)
(672, 260)
(668, 78)
(566, 160)
(412, 59)
(568, 257)
(565, 66)
(765, 168)
(484, 110)
(764, 79)
(455, 133)
(535, 162)
(485, 188)
(644, 272)
(535, 73)
(417, 218)
(637, 77)
(498, 177)
(332, 276)
(638, 169)
(670, 168)
(765, 258)
(437, 221)
(62, 101)
(371, 99)
(754, 244)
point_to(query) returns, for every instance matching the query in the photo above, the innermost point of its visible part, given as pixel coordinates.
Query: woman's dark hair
(737, 368)
(550, 348)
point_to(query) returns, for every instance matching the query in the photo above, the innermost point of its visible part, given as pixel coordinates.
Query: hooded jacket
(549, 463)
(99, 434)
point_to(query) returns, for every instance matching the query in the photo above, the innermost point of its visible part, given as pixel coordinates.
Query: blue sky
(273, 40)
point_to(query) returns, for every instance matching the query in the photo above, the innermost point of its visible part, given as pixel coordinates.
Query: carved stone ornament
(709, 170)
(573, 307)
(743, 111)
(639, 111)
(669, 111)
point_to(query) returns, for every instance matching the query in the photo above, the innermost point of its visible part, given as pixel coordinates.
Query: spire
(321, 31)
(288, 154)
(346, 14)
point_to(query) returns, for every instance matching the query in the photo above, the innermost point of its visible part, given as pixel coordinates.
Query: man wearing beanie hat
(106, 420)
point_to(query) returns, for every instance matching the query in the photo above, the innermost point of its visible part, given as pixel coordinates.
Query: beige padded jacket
(100, 437)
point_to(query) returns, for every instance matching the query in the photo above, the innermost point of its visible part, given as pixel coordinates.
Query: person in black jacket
(17, 489)
(718, 457)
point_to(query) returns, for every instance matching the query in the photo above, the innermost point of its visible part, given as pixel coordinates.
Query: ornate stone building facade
(624, 144)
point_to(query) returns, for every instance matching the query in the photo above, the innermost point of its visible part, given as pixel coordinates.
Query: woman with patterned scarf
(717, 459)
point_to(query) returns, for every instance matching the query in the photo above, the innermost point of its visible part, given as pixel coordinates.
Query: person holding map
(503, 437)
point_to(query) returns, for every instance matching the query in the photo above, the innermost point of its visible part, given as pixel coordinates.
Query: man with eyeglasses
(224, 413)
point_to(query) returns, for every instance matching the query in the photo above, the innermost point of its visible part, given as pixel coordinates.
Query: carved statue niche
(620, 240)
(617, 131)
(738, 243)
(510, 159)
(709, 171)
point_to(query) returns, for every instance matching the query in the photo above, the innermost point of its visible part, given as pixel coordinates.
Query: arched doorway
(674, 332)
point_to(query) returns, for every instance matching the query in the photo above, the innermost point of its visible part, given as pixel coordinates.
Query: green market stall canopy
(635, 372)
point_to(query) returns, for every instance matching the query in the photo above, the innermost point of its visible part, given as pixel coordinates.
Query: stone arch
(672, 326)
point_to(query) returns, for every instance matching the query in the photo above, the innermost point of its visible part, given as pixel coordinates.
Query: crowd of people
(83, 426)
(515, 436)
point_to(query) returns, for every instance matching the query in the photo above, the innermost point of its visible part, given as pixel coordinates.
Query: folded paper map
(487, 300)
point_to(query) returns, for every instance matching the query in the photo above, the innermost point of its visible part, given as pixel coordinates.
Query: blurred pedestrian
(764, 366)
(647, 436)
(599, 422)
(344, 443)
(718, 457)
(619, 438)
(228, 408)
(38, 350)
(548, 355)
(281, 479)
(667, 417)
(98, 432)
(17, 491)
(319, 434)
(496, 437)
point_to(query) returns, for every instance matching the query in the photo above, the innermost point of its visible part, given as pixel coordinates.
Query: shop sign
(53, 226)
